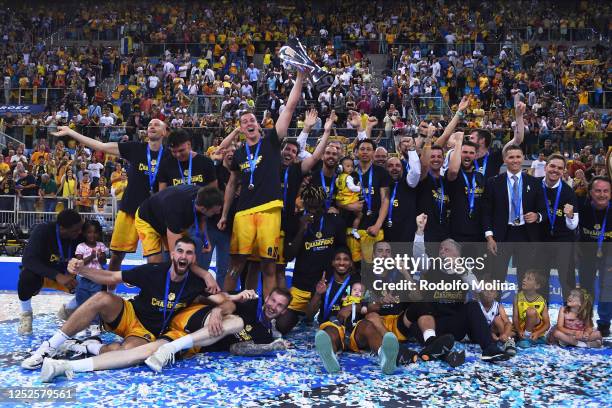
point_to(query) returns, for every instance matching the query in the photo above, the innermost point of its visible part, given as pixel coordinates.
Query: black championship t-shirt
(267, 169)
(403, 215)
(254, 330)
(445, 302)
(293, 176)
(591, 224)
(138, 186)
(202, 171)
(380, 179)
(334, 306)
(489, 164)
(430, 202)
(42, 254)
(466, 226)
(317, 250)
(149, 303)
(171, 209)
(328, 183)
(223, 175)
(560, 232)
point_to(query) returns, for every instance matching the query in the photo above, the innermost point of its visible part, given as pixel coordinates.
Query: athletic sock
(72, 304)
(82, 366)
(94, 348)
(57, 339)
(183, 343)
(527, 334)
(26, 305)
(428, 333)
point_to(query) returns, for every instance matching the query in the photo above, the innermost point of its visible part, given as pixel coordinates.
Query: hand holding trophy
(294, 54)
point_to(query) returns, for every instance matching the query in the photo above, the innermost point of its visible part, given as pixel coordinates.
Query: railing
(6, 139)
(28, 211)
(430, 106)
(35, 96)
(367, 46)
(555, 34)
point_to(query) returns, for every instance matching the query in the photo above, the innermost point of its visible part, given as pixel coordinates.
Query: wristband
(460, 114)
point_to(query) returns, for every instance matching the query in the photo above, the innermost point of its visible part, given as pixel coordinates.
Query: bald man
(144, 159)
(380, 156)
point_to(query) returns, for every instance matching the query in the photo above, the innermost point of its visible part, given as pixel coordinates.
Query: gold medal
(599, 253)
(318, 234)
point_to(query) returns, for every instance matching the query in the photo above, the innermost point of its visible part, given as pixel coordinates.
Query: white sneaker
(64, 313)
(161, 358)
(25, 323)
(54, 368)
(77, 347)
(35, 361)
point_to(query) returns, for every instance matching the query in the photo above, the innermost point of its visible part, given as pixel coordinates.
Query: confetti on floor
(541, 376)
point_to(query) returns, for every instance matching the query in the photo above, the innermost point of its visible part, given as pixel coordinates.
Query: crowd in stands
(206, 89)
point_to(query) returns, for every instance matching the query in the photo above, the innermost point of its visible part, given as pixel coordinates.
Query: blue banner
(33, 109)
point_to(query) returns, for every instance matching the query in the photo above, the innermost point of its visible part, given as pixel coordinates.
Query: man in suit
(512, 207)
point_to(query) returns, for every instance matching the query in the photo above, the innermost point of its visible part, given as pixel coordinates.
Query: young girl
(348, 191)
(575, 322)
(530, 313)
(501, 327)
(93, 254)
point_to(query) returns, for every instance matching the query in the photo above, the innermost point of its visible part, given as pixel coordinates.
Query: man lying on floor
(197, 328)
(165, 290)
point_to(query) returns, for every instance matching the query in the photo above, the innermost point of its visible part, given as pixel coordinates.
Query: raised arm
(519, 130)
(413, 175)
(111, 148)
(454, 163)
(309, 162)
(229, 139)
(450, 128)
(282, 124)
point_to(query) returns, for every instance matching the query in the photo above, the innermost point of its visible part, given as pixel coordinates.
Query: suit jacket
(496, 207)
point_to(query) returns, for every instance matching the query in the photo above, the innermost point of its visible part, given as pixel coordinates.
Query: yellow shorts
(178, 324)
(51, 284)
(390, 323)
(125, 237)
(280, 259)
(129, 325)
(300, 299)
(341, 331)
(257, 231)
(363, 248)
(152, 242)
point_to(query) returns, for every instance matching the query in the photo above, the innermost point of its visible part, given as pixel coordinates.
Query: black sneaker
(604, 329)
(493, 353)
(455, 358)
(406, 356)
(437, 347)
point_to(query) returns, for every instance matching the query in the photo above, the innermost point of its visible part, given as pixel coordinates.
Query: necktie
(515, 193)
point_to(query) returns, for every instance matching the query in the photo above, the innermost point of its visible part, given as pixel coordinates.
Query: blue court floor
(541, 376)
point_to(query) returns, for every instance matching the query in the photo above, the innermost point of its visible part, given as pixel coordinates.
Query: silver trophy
(294, 54)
